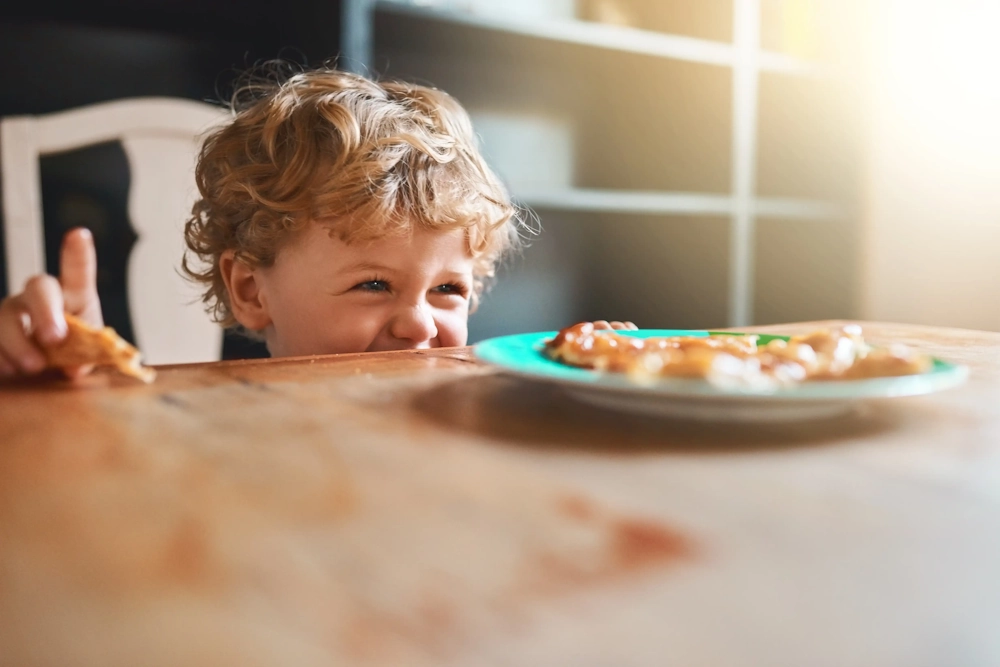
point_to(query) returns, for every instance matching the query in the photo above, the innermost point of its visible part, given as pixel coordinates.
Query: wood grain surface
(419, 508)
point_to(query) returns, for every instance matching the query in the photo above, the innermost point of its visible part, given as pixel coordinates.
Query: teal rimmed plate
(522, 355)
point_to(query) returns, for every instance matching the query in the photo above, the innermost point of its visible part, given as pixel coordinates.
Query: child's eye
(452, 288)
(373, 286)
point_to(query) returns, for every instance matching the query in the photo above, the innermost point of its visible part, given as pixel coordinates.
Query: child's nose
(414, 322)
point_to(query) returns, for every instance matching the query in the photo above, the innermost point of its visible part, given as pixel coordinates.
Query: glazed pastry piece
(828, 354)
(86, 345)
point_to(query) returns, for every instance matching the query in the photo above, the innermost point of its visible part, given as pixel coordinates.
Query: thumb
(78, 272)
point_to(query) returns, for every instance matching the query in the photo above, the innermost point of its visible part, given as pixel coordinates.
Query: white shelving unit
(743, 56)
(619, 38)
(675, 203)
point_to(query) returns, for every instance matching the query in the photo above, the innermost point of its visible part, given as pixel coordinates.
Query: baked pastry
(826, 354)
(85, 344)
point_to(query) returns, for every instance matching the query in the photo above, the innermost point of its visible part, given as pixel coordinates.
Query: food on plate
(828, 354)
(86, 345)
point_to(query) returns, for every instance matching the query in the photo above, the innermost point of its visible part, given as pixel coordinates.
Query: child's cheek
(453, 329)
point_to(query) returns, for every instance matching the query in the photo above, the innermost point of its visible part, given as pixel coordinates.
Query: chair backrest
(161, 138)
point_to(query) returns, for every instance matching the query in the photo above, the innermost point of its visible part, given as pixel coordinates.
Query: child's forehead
(368, 234)
(325, 243)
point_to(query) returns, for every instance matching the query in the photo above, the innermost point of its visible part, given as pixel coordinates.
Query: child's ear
(245, 300)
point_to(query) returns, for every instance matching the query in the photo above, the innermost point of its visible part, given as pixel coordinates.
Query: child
(336, 214)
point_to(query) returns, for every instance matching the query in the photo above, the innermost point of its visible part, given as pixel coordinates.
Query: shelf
(674, 203)
(617, 201)
(618, 38)
(804, 210)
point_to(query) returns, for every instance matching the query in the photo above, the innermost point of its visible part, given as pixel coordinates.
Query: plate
(522, 355)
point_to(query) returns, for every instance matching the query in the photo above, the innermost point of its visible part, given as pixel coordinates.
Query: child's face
(324, 296)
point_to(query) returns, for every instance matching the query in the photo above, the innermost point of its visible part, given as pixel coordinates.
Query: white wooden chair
(160, 137)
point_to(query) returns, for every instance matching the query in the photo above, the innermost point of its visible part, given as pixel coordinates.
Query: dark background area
(57, 55)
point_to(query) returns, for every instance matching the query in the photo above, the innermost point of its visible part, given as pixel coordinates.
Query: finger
(617, 326)
(17, 347)
(78, 269)
(602, 324)
(7, 369)
(44, 302)
(631, 327)
(74, 372)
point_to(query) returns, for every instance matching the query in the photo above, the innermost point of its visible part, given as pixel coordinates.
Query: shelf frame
(613, 37)
(644, 202)
(742, 228)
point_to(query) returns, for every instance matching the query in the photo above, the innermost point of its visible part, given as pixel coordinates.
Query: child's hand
(616, 325)
(33, 320)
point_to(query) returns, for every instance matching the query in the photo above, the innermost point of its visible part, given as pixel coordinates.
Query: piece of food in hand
(85, 345)
(736, 360)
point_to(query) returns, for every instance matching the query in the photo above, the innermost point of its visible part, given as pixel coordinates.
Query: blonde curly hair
(367, 158)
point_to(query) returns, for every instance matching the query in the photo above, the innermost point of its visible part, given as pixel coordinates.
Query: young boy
(336, 214)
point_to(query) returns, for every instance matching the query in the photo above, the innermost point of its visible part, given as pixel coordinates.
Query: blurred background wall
(826, 158)
(931, 214)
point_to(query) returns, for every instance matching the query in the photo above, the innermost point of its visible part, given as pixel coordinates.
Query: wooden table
(418, 508)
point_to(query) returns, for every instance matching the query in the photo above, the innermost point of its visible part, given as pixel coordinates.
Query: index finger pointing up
(78, 272)
(78, 262)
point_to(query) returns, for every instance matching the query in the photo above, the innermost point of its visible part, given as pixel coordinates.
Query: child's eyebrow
(367, 266)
